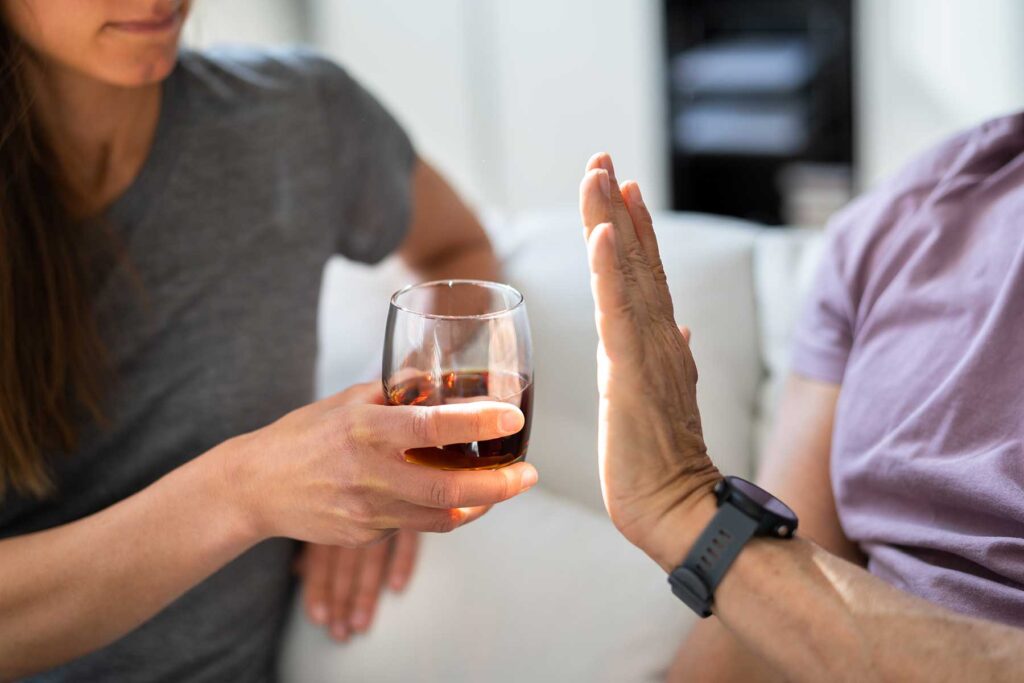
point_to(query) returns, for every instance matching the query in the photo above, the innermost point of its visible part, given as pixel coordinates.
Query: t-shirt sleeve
(373, 159)
(823, 335)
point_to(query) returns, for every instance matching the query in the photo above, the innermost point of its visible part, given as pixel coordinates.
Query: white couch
(543, 588)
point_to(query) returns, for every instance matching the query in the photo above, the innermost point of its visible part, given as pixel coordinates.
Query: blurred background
(775, 111)
(733, 115)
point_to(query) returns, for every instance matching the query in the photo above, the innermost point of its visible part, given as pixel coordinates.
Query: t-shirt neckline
(138, 199)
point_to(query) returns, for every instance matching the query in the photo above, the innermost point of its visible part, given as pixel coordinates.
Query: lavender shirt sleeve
(824, 332)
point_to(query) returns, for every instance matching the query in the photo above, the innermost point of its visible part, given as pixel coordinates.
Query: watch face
(762, 498)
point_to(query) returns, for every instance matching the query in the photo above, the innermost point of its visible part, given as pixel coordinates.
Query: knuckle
(478, 423)
(424, 426)
(444, 524)
(360, 511)
(340, 434)
(363, 537)
(443, 494)
(508, 488)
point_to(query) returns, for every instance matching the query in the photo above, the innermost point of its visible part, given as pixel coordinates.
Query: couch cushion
(784, 265)
(538, 590)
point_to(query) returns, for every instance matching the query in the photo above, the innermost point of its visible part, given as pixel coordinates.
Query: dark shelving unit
(761, 110)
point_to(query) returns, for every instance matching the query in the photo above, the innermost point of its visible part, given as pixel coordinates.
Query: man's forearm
(74, 588)
(816, 617)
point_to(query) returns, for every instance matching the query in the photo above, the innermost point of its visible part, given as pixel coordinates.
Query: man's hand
(655, 472)
(341, 585)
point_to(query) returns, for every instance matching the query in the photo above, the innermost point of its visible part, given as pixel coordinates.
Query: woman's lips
(148, 26)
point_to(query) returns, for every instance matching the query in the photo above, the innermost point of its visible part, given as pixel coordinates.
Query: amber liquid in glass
(459, 386)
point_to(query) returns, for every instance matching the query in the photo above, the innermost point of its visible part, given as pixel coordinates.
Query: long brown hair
(52, 364)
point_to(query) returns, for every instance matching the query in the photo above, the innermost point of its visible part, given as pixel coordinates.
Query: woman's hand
(334, 472)
(654, 465)
(341, 585)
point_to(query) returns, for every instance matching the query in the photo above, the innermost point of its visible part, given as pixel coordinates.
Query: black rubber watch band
(695, 580)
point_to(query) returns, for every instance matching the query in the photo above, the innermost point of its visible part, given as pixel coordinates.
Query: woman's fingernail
(510, 422)
(529, 479)
(606, 164)
(397, 583)
(605, 183)
(319, 614)
(339, 631)
(360, 620)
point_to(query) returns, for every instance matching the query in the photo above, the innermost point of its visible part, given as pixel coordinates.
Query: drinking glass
(455, 341)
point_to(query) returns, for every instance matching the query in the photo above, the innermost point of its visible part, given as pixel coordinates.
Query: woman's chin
(139, 71)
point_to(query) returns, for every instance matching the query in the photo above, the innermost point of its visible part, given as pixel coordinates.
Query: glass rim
(486, 284)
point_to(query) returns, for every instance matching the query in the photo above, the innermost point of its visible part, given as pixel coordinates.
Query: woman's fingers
(316, 571)
(403, 559)
(447, 489)
(423, 427)
(343, 570)
(368, 583)
(412, 517)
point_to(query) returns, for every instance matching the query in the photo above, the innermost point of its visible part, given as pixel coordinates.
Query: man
(790, 608)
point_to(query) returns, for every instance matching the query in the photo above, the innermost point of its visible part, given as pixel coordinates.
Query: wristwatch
(744, 511)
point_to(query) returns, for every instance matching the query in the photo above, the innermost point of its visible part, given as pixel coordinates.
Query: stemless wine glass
(453, 341)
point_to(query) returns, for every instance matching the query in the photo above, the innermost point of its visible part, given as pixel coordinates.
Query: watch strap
(695, 580)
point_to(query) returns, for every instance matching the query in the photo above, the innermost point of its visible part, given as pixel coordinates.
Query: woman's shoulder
(230, 76)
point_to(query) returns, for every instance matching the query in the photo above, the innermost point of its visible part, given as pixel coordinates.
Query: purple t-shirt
(918, 312)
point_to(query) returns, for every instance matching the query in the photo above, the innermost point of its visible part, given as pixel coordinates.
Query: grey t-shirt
(264, 165)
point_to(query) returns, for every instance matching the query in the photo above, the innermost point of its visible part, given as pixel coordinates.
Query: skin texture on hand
(653, 460)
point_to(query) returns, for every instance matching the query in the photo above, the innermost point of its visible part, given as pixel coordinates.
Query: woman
(165, 220)
(899, 443)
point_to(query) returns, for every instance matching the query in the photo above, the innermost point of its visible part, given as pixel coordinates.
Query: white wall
(927, 68)
(262, 22)
(510, 97)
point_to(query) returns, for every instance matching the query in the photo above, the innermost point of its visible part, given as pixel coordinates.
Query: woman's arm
(796, 469)
(332, 472)
(445, 239)
(74, 588)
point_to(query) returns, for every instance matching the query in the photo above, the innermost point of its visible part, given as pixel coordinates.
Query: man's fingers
(613, 312)
(343, 571)
(316, 565)
(447, 489)
(403, 559)
(643, 224)
(610, 207)
(598, 207)
(422, 427)
(367, 586)
(595, 200)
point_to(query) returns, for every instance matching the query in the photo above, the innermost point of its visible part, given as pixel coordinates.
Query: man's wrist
(676, 532)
